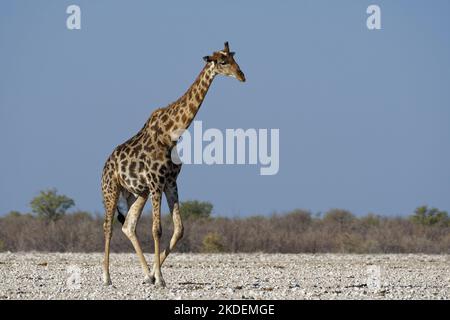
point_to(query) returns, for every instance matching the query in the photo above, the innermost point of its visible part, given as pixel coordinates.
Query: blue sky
(363, 115)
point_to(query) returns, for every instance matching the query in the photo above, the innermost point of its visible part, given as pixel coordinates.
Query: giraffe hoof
(160, 284)
(149, 280)
(107, 282)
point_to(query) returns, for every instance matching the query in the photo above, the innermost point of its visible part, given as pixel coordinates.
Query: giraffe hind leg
(110, 198)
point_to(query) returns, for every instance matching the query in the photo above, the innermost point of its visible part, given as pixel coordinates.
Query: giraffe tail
(120, 216)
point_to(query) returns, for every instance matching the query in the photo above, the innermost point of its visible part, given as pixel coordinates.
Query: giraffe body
(142, 167)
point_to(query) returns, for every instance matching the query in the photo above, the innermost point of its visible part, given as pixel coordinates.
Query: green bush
(212, 243)
(430, 216)
(195, 209)
(14, 214)
(51, 206)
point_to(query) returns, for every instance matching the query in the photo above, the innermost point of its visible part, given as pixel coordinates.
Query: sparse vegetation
(427, 230)
(299, 231)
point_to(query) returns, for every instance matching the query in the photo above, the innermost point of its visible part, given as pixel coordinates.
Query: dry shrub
(294, 232)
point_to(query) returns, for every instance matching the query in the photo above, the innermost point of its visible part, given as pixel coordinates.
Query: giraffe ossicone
(142, 167)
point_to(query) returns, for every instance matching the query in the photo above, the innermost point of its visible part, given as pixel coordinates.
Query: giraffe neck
(167, 124)
(182, 112)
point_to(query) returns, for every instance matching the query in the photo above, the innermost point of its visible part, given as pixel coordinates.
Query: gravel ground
(228, 276)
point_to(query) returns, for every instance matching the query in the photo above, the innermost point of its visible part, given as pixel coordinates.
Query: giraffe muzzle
(240, 76)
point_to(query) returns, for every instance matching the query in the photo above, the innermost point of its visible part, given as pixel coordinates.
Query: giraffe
(142, 167)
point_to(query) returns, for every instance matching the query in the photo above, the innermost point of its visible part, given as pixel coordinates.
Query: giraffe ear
(207, 58)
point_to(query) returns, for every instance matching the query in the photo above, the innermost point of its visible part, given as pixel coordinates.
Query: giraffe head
(223, 63)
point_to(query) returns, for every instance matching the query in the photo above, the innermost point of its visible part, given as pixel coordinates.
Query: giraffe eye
(223, 62)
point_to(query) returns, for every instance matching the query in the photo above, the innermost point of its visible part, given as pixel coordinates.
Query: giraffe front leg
(171, 193)
(156, 230)
(129, 228)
